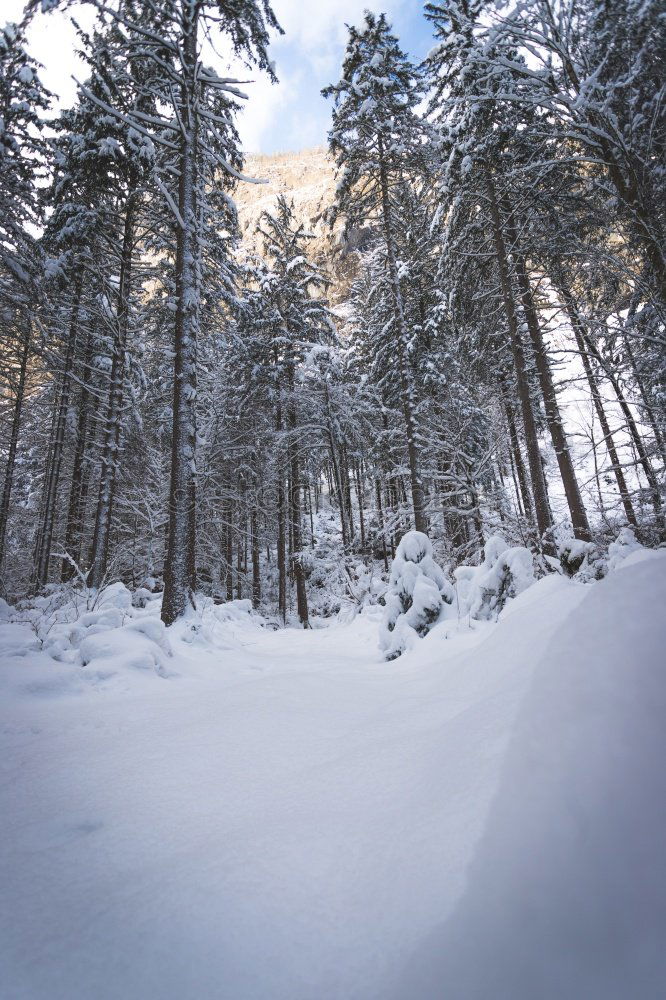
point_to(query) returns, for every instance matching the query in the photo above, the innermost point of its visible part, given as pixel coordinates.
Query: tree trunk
(78, 488)
(8, 485)
(544, 523)
(576, 326)
(406, 384)
(229, 547)
(642, 459)
(256, 569)
(180, 576)
(361, 513)
(380, 518)
(517, 464)
(337, 479)
(475, 508)
(297, 554)
(649, 409)
(579, 522)
(52, 480)
(113, 419)
(282, 527)
(308, 493)
(346, 489)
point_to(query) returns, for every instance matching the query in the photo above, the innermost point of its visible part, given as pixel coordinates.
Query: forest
(332, 500)
(181, 408)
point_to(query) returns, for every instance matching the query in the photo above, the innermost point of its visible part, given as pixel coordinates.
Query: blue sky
(293, 115)
(288, 116)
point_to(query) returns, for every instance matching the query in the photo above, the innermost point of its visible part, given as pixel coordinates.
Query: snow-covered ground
(284, 816)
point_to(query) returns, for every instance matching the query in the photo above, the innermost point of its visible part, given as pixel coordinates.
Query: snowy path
(288, 819)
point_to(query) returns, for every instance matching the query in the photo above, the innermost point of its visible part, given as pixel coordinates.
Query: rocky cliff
(308, 179)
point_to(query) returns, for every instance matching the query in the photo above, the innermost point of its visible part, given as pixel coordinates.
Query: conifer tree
(285, 320)
(377, 137)
(23, 155)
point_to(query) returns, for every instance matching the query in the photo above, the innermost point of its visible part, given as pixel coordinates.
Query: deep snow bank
(285, 816)
(566, 895)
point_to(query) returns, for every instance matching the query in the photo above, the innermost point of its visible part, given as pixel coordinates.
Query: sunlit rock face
(308, 178)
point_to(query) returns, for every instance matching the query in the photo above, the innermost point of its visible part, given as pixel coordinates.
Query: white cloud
(319, 28)
(52, 42)
(285, 115)
(307, 57)
(266, 102)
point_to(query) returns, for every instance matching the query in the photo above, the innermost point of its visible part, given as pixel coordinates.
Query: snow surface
(284, 816)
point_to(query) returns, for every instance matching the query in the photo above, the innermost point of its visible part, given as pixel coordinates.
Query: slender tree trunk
(281, 550)
(308, 493)
(5, 502)
(298, 555)
(180, 581)
(256, 569)
(406, 383)
(544, 523)
(52, 480)
(78, 489)
(113, 420)
(597, 478)
(452, 520)
(500, 492)
(361, 512)
(642, 456)
(517, 464)
(337, 479)
(346, 489)
(579, 522)
(281, 527)
(516, 489)
(229, 548)
(380, 517)
(649, 409)
(476, 509)
(576, 326)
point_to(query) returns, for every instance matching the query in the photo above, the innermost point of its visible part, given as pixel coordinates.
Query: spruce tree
(377, 137)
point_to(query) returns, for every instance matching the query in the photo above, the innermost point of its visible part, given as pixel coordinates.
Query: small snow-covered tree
(417, 595)
(482, 591)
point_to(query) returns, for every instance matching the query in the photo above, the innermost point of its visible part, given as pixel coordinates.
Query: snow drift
(286, 816)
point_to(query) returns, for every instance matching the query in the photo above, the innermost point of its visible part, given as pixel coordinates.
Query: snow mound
(132, 647)
(233, 611)
(112, 634)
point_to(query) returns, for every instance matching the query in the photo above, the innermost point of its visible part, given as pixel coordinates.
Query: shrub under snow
(417, 594)
(575, 556)
(112, 631)
(585, 562)
(482, 591)
(625, 543)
